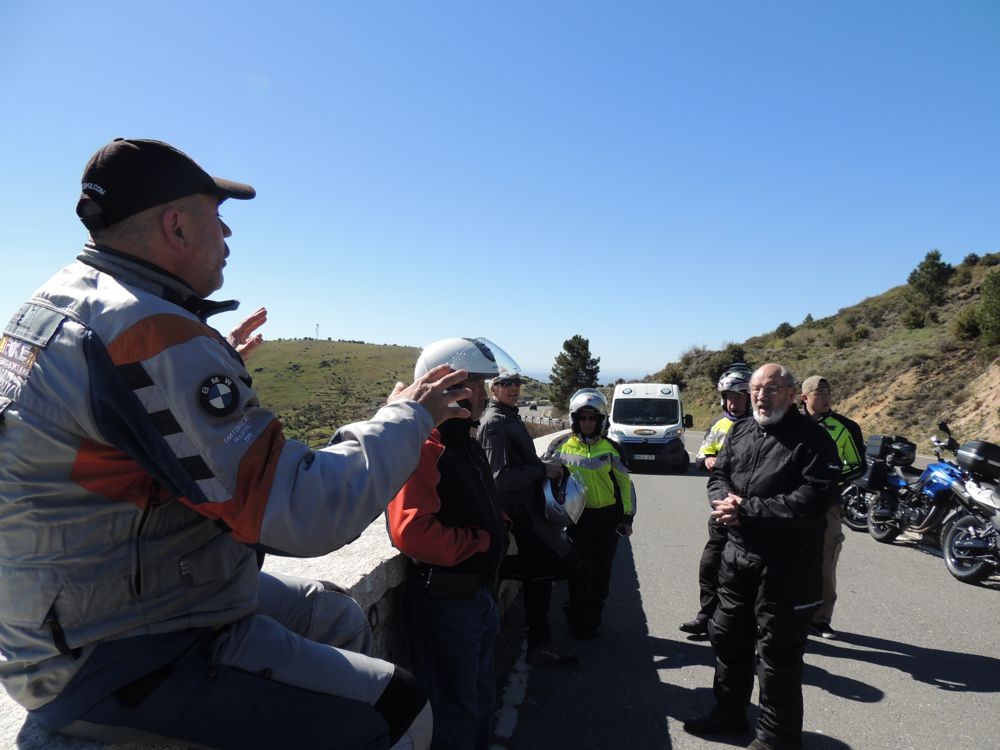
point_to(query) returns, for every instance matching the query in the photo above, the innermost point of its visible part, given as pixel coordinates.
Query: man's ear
(172, 224)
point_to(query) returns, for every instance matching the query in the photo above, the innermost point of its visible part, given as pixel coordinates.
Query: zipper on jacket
(152, 500)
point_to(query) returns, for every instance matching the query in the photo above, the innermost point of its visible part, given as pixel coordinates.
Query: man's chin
(773, 418)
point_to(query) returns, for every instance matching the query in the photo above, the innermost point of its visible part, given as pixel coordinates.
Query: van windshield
(652, 411)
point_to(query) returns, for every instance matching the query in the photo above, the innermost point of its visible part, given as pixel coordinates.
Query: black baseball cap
(129, 176)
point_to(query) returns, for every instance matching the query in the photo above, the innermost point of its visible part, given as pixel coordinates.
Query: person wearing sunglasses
(540, 557)
(609, 510)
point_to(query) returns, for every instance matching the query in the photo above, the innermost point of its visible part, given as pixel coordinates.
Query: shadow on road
(619, 698)
(948, 670)
(614, 698)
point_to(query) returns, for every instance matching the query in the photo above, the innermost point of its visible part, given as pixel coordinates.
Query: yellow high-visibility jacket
(599, 466)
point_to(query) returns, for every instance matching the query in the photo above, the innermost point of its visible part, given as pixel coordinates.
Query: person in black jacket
(540, 557)
(447, 520)
(771, 485)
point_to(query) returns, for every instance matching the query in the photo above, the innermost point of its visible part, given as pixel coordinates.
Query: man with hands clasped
(771, 486)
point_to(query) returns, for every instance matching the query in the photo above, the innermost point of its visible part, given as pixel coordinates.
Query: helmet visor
(506, 366)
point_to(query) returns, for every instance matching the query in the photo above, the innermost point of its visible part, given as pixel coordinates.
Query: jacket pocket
(215, 561)
(29, 595)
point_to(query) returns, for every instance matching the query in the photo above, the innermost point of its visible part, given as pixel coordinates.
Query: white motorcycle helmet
(475, 355)
(565, 499)
(736, 379)
(588, 397)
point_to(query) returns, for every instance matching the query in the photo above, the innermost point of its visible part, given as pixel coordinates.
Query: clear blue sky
(650, 175)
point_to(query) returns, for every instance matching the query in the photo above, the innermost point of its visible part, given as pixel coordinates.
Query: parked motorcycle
(971, 546)
(902, 498)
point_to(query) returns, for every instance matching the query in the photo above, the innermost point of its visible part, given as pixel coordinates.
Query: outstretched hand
(240, 338)
(431, 391)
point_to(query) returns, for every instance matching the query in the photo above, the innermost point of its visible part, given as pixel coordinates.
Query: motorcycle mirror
(943, 426)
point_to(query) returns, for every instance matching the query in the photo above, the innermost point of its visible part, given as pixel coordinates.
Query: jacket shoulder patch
(219, 395)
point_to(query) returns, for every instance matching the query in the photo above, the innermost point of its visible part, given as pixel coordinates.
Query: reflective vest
(600, 468)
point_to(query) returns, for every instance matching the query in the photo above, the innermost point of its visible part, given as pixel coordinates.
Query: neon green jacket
(600, 468)
(850, 444)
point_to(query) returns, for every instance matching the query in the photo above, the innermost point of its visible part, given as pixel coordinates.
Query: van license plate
(644, 457)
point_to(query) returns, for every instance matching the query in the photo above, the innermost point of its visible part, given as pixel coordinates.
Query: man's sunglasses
(590, 417)
(507, 382)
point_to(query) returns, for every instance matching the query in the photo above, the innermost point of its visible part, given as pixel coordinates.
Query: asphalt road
(917, 664)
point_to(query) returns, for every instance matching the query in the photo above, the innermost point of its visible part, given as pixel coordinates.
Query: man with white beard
(770, 486)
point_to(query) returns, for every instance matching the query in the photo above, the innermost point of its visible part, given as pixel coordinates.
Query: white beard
(773, 418)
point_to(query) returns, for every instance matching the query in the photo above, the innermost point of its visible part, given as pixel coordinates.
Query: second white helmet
(588, 398)
(736, 379)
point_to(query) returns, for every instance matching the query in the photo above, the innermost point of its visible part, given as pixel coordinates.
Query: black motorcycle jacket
(786, 474)
(447, 516)
(516, 467)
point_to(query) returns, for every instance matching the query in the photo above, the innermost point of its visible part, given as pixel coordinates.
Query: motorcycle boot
(716, 722)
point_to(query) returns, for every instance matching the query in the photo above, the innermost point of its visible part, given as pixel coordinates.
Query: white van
(647, 420)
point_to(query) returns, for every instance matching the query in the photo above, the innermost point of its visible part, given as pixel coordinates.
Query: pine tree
(574, 368)
(989, 308)
(930, 278)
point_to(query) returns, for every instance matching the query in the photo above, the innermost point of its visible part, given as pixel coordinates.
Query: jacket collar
(502, 407)
(791, 416)
(455, 429)
(137, 272)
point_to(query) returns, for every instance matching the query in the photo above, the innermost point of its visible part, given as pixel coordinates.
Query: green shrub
(913, 317)
(784, 330)
(673, 373)
(965, 325)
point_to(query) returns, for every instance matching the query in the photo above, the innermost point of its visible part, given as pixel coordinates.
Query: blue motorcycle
(902, 498)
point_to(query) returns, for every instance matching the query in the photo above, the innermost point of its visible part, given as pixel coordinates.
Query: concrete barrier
(369, 568)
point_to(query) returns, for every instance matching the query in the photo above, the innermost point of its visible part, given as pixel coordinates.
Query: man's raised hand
(431, 391)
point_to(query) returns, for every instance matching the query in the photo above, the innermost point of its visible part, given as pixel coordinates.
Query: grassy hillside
(894, 366)
(314, 386)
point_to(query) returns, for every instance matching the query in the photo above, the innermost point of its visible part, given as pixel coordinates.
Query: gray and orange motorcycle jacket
(140, 475)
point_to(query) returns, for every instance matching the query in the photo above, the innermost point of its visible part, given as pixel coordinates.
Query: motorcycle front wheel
(855, 505)
(881, 530)
(961, 564)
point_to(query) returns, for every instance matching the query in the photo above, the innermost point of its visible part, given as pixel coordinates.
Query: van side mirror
(688, 421)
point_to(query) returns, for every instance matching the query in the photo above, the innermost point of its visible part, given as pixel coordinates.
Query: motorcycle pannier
(878, 446)
(902, 452)
(981, 459)
(895, 450)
